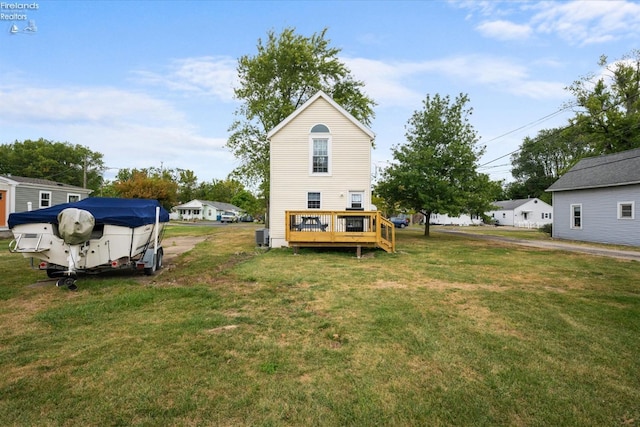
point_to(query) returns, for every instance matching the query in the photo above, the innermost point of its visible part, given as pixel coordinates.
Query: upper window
(320, 129)
(73, 198)
(626, 210)
(320, 155)
(576, 216)
(320, 150)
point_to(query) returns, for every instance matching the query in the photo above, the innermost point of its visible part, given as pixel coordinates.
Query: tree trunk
(427, 217)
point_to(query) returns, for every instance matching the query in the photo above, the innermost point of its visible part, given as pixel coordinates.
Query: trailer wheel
(160, 254)
(157, 264)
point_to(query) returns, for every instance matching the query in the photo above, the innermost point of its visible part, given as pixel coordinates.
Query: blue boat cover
(106, 210)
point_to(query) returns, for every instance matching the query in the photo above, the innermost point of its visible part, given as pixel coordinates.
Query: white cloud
(210, 76)
(402, 83)
(578, 22)
(504, 30)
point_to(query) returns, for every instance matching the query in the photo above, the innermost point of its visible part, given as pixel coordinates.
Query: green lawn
(447, 331)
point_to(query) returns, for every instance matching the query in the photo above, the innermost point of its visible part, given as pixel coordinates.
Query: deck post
(359, 251)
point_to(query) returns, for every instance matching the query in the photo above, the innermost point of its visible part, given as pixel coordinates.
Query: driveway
(554, 245)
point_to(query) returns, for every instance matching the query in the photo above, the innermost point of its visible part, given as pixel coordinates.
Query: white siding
(290, 177)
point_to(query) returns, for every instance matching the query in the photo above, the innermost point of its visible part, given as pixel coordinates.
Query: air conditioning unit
(262, 237)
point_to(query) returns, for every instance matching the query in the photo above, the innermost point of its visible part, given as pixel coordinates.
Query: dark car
(399, 222)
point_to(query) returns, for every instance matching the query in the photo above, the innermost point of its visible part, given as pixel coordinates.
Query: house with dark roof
(595, 201)
(21, 194)
(523, 213)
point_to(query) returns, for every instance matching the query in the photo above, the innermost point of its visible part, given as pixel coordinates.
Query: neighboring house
(595, 201)
(463, 219)
(203, 210)
(20, 194)
(320, 160)
(525, 213)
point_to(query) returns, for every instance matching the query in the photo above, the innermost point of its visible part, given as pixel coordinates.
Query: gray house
(595, 201)
(20, 194)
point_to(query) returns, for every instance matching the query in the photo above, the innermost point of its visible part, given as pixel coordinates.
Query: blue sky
(150, 83)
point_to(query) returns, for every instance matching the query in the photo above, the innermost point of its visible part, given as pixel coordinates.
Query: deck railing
(339, 228)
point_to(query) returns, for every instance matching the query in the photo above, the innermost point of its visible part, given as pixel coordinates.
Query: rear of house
(320, 161)
(595, 201)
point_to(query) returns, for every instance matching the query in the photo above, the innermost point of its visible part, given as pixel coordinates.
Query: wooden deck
(339, 229)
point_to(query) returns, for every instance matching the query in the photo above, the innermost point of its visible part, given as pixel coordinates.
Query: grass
(447, 331)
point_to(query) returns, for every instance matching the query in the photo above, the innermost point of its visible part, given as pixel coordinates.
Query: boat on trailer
(91, 236)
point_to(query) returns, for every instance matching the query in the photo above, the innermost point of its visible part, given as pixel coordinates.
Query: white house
(463, 219)
(203, 210)
(595, 201)
(320, 160)
(526, 213)
(21, 194)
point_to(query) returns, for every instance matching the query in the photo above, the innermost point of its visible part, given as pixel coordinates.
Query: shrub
(547, 228)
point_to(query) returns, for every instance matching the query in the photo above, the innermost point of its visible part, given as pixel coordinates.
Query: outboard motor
(75, 225)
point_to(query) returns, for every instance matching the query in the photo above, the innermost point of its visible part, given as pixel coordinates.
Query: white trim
(572, 217)
(307, 199)
(69, 195)
(312, 138)
(40, 194)
(320, 94)
(633, 210)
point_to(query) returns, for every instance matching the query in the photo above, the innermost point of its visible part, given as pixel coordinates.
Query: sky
(150, 83)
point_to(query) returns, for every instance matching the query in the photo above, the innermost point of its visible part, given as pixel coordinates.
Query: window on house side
(356, 200)
(73, 198)
(313, 200)
(45, 199)
(625, 210)
(576, 216)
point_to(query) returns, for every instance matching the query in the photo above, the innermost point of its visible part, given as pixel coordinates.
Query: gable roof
(611, 170)
(310, 101)
(43, 182)
(509, 205)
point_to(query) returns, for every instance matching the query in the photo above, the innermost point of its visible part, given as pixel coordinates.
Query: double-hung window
(73, 198)
(576, 216)
(626, 210)
(320, 150)
(356, 199)
(313, 200)
(45, 199)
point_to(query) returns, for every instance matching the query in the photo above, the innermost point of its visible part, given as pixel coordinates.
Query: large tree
(609, 105)
(435, 171)
(541, 160)
(56, 161)
(149, 183)
(285, 72)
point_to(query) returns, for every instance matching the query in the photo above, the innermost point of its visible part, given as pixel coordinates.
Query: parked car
(399, 222)
(246, 218)
(228, 217)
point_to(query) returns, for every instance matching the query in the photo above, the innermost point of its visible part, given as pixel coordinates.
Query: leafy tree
(187, 185)
(147, 184)
(435, 171)
(56, 161)
(286, 71)
(247, 202)
(609, 105)
(541, 160)
(219, 190)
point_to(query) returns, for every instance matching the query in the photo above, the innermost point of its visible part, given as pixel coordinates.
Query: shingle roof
(616, 169)
(509, 205)
(40, 181)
